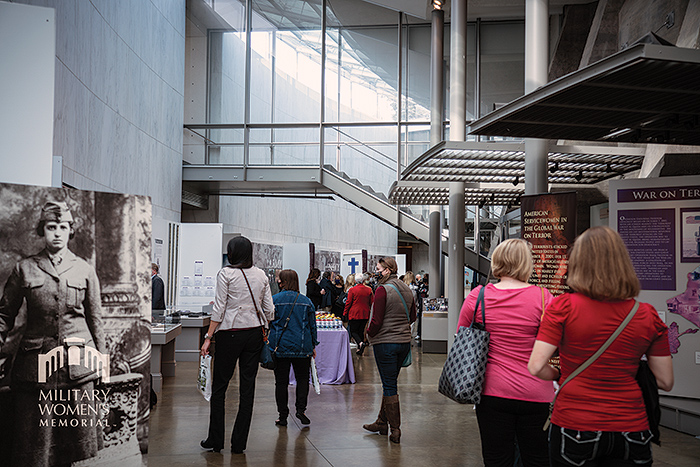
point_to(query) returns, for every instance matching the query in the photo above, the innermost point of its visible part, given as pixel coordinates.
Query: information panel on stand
(549, 224)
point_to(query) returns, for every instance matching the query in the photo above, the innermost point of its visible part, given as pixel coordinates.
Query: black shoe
(303, 418)
(206, 444)
(362, 348)
(281, 421)
(237, 451)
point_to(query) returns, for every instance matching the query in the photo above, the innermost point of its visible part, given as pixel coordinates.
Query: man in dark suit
(158, 297)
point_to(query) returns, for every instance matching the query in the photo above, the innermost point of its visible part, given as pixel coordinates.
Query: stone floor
(436, 431)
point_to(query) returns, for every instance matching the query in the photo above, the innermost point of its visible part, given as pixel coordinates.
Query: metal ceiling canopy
(646, 94)
(431, 193)
(472, 162)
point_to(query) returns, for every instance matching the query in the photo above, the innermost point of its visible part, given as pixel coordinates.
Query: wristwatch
(207, 336)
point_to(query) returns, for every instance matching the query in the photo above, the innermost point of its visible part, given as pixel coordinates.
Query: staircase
(377, 204)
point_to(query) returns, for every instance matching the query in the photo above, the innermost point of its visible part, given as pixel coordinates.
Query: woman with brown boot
(389, 331)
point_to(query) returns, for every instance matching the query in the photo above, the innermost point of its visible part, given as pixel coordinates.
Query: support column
(455, 274)
(536, 69)
(458, 132)
(458, 71)
(434, 251)
(437, 106)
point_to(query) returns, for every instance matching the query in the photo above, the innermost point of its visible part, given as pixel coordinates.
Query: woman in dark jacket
(389, 331)
(292, 338)
(313, 290)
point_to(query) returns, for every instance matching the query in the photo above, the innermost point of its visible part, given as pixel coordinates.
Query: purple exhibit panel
(650, 236)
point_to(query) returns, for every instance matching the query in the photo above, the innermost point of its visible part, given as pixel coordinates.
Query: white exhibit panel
(199, 261)
(28, 58)
(659, 220)
(296, 256)
(350, 263)
(160, 252)
(600, 215)
(401, 263)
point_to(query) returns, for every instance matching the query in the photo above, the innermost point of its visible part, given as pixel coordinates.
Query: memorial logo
(76, 354)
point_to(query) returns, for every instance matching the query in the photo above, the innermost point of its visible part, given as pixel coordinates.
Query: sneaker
(303, 418)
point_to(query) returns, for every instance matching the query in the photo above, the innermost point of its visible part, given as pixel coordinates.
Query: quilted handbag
(462, 376)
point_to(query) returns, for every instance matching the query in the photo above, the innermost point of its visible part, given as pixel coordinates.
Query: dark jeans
(599, 448)
(234, 346)
(302, 369)
(502, 422)
(389, 358)
(356, 328)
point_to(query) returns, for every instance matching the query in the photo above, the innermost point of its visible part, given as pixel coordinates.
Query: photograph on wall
(690, 235)
(74, 326)
(326, 260)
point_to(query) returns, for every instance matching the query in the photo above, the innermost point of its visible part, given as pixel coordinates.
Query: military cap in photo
(56, 211)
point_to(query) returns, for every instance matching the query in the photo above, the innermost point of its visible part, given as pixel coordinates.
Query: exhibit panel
(199, 261)
(75, 315)
(659, 220)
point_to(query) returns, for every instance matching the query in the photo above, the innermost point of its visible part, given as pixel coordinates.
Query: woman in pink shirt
(514, 404)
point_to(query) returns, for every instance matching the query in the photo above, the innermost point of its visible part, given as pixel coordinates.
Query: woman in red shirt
(599, 416)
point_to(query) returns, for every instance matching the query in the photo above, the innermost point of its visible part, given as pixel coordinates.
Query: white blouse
(233, 304)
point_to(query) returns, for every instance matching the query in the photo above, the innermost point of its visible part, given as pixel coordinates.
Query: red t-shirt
(512, 319)
(605, 396)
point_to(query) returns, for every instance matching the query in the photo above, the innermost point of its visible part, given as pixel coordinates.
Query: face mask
(378, 275)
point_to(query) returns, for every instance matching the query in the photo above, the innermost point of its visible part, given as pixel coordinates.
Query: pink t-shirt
(512, 318)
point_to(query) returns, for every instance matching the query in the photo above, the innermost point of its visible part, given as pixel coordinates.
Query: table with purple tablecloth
(333, 358)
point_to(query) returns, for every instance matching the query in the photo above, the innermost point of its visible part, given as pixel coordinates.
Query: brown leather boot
(380, 425)
(393, 415)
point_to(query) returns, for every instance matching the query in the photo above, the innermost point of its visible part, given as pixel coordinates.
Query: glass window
(416, 94)
(226, 75)
(361, 74)
(502, 64)
(285, 77)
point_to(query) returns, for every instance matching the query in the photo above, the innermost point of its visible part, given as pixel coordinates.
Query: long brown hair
(289, 280)
(600, 266)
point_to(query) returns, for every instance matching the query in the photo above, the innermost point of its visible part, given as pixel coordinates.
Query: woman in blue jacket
(292, 339)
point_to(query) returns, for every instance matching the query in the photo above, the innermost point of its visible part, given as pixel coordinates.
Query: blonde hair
(512, 258)
(600, 266)
(409, 278)
(349, 282)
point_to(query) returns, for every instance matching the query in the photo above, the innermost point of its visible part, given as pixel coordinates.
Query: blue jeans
(598, 448)
(389, 358)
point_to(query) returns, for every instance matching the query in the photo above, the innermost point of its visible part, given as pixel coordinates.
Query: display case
(434, 330)
(163, 351)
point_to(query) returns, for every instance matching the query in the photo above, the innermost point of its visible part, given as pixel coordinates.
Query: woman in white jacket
(242, 308)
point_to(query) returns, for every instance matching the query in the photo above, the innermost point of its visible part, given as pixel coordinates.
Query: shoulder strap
(402, 300)
(598, 353)
(480, 300)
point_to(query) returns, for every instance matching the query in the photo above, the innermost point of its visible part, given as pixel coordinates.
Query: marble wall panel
(119, 96)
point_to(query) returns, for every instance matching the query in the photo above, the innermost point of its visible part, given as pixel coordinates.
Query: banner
(75, 337)
(549, 224)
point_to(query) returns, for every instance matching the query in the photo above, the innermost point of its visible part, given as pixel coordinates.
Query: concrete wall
(330, 225)
(119, 97)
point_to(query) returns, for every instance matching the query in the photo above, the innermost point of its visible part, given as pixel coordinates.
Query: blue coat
(299, 339)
